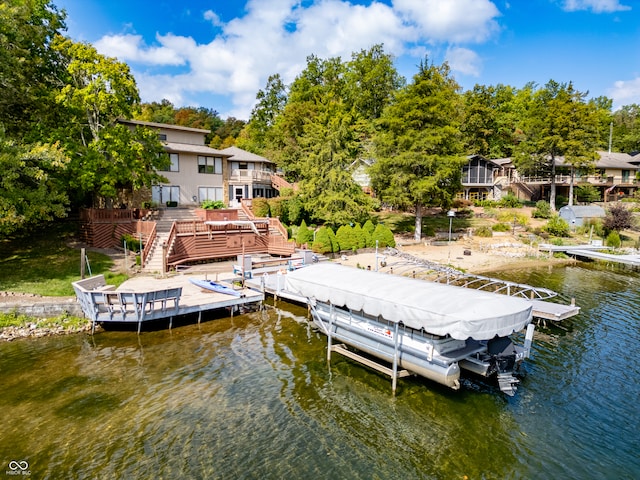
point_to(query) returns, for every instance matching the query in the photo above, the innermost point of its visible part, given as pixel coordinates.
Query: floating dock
(593, 252)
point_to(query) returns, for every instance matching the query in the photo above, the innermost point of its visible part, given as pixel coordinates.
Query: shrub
(509, 216)
(501, 227)
(368, 229)
(557, 226)
(325, 241)
(509, 201)
(346, 238)
(359, 236)
(260, 207)
(587, 193)
(304, 234)
(618, 218)
(132, 243)
(278, 209)
(483, 232)
(613, 240)
(542, 210)
(212, 204)
(384, 236)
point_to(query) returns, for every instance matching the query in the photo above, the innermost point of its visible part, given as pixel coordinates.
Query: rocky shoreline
(35, 330)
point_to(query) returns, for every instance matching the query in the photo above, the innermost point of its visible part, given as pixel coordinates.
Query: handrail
(148, 245)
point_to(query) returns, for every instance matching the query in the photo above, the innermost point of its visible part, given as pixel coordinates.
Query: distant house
(249, 176)
(478, 178)
(360, 173)
(196, 173)
(577, 215)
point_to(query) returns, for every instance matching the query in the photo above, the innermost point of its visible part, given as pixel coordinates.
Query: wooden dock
(143, 299)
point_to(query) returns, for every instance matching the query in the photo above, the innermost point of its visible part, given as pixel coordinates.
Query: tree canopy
(419, 146)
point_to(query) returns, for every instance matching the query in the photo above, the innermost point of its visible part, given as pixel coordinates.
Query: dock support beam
(329, 333)
(394, 376)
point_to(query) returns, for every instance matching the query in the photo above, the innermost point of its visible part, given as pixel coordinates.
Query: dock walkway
(593, 252)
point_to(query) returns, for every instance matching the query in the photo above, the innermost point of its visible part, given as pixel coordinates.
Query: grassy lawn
(44, 264)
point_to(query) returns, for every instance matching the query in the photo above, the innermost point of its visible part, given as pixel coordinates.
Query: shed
(575, 215)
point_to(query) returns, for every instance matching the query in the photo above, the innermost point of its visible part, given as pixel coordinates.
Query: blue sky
(219, 53)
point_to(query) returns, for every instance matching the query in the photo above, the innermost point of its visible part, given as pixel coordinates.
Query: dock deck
(143, 299)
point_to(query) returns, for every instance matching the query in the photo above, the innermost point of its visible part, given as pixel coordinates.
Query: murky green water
(253, 397)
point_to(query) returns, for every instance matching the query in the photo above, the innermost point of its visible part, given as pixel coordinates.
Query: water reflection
(253, 397)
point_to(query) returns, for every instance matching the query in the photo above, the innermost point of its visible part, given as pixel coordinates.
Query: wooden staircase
(163, 226)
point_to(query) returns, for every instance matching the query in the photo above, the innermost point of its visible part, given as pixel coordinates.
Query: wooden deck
(142, 299)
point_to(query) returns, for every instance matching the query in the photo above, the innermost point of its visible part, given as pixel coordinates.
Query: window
(175, 163)
(210, 193)
(162, 137)
(211, 165)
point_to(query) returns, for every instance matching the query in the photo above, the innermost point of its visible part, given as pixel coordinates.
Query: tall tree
(559, 122)
(270, 103)
(626, 129)
(490, 121)
(108, 157)
(29, 67)
(419, 144)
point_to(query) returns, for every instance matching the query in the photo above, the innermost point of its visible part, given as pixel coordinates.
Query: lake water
(253, 397)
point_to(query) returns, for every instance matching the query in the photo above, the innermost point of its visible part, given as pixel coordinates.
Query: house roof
(583, 211)
(191, 148)
(610, 160)
(238, 154)
(166, 126)
(480, 157)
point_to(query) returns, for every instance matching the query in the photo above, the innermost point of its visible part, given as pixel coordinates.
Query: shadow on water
(253, 397)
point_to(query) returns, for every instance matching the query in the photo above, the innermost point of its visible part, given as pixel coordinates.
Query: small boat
(215, 287)
(426, 328)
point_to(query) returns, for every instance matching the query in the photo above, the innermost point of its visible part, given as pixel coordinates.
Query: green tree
(29, 67)
(559, 123)
(109, 158)
(270, 103)
(625, 134)
(419, 145)
(490, 121)
(30, 190)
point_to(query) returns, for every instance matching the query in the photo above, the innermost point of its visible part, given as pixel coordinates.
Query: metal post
(450, 214)
(164, 258)
(329, 333)
(394, 378)
(376, 255)
(82, 262)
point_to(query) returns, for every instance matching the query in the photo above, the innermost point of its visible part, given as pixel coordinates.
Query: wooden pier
(143, 299)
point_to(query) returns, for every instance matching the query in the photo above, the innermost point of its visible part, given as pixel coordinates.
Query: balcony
(250, 176)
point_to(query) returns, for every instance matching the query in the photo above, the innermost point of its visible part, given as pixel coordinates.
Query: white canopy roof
(438, 309)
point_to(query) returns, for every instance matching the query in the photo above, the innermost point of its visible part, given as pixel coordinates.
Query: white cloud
(625, 92)
(453, 21)
(131, 48)
(464, 61)
(276, 36)
(598, 6)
